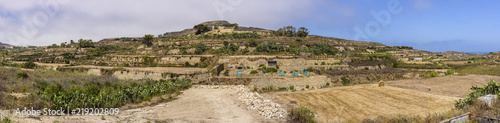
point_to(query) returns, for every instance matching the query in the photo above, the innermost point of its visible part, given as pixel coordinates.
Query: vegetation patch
(301, 114)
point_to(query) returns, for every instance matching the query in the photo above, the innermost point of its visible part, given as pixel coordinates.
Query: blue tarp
(238, 74)
(307, 73)
(295, 73)
(282, 73)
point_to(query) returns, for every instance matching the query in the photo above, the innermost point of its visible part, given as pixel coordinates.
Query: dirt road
(194, 105)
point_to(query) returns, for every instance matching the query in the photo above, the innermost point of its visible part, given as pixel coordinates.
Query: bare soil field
(355, 103)
(193, 105)
(456, 86)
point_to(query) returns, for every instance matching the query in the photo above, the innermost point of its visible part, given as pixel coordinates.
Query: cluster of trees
(230, 36)
(85, 43)
(200, 29)
(291, 31)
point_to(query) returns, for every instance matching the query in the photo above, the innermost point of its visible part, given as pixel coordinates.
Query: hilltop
(4, 45)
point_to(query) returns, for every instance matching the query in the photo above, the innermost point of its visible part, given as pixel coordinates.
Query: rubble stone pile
(253, 100)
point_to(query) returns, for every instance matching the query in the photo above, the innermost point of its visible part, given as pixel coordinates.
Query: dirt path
(194, 105)
(456, 86)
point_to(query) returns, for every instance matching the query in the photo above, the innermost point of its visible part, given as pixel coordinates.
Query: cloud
(29, 23)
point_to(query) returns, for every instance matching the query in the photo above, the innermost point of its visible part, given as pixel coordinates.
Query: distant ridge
(4, 45)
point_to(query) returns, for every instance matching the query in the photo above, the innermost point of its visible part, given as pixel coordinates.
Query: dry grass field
(455, 86)
(355, 103)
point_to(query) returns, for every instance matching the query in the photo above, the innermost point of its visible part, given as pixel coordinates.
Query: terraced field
(355, 103)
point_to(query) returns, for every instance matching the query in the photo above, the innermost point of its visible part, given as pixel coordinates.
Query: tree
(302, 32)
(235, 25)
(148, 40)
(72, 42)
(200, 48)
(54, 46)
(200, 29)
(226, 43)
(85, 43)
(63, 45)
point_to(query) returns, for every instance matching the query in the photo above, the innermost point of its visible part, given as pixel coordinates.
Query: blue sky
(444, 25)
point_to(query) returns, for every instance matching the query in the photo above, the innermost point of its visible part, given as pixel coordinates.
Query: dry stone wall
(297, 82)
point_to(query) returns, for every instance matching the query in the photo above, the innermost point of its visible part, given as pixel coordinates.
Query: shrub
(261, 65)
(449, 72)
(29, 65)
(323, 63)
(22, 74)
(97, 95)
(307, 86)
(251, 43)
(226, 73)
(269, 48)
(491, 88)
(254, 72)
(345, 81)
(432, 74)
(292, 88)
(200, 48)
(6, 120)
(301, 114)
(327, 84)
(102, 64)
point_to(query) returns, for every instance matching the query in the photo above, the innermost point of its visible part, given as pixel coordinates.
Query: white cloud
(98, 19)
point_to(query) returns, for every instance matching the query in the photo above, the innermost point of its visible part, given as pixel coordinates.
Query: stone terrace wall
(136, 75)
(297, 82)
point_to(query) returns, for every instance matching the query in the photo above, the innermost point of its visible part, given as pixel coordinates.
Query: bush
(307, 86)
(29, 65)
(301, 114)
(226, 73)
(251, 43)
(432, 74)
(200, 48)
(345, 81)
(323, 63)
(292, 88)
(102, 64)
(449, 72)
(97, 95)
(6, 120)
(22, 74)
(491, 88)
(270, 48)
(254, 72)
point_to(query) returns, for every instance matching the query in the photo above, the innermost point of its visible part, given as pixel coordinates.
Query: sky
(438, 26)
